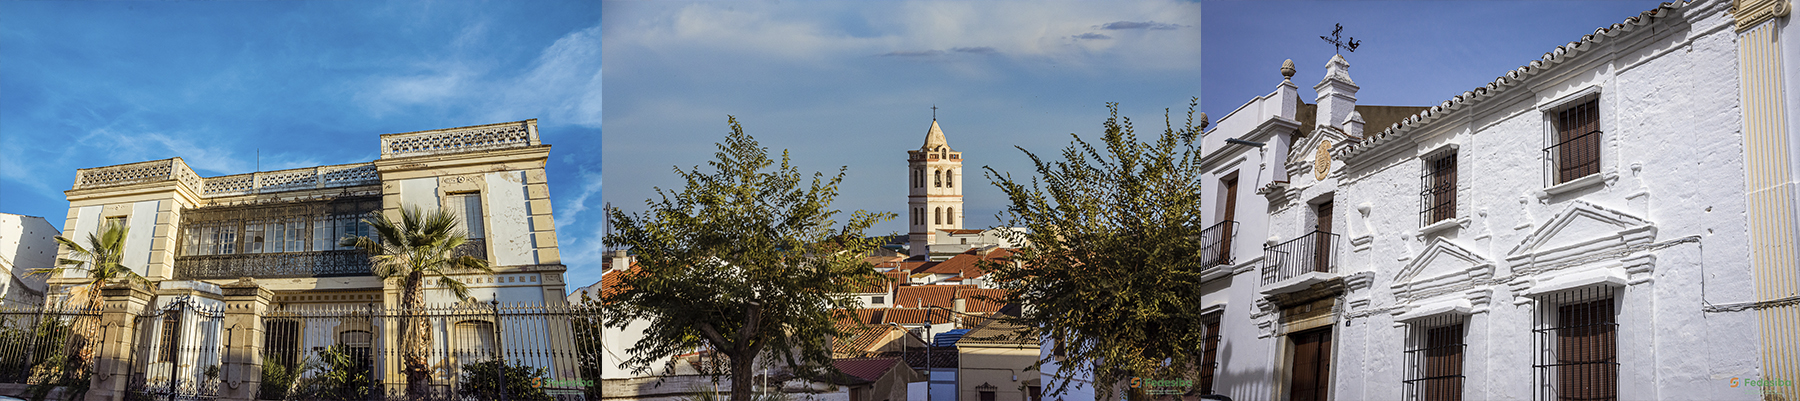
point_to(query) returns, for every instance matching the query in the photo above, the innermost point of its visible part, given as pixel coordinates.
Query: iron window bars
(1314, 252)
(1576, 152)
(1434, 358)
(1576, 338)
(1209, 353)
(1215, 244)
(1437, 201)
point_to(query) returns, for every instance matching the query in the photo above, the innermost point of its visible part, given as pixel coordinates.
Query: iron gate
(47, 346)
(177, 357)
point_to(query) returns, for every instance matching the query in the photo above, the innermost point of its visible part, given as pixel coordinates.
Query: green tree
(97, 263)
(1111, 269)
(418, 247)
(745, 261)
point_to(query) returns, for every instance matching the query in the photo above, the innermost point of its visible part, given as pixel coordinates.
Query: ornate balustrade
(341, 175)
(517, 134)
(273, 265)
(1215, 244)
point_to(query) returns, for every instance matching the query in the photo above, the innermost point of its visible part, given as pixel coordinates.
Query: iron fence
(455, 352)
(1314, 252)
(1215, 244)
(46, 345)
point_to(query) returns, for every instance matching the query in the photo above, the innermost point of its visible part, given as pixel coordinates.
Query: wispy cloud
(1152, 25)
(1091, 36)
(914, 53)
(976, 50)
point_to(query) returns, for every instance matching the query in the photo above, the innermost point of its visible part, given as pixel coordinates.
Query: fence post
(124, 300)
(245, 304)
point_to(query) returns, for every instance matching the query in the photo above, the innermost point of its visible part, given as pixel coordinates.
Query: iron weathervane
(1339, 45)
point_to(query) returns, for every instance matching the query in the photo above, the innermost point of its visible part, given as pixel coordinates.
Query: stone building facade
(1612, 221)
(281, 228)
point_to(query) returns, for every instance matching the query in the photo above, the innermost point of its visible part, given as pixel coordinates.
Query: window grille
(171, 336)
(1209, 353)
(1576, 149)
(1437, 201)
(274, 240)
(1434, 358)
(1577, 345)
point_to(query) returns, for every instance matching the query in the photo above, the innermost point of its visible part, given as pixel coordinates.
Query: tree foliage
(1111, 270)
(746, 260)
(418, 247)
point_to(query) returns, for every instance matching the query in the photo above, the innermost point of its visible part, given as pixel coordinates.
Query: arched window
(937, 216)
(950, 180)
(938, 180)
(950, 216)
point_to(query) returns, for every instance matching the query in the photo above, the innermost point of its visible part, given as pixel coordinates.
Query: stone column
(245, 304)
(124, 301)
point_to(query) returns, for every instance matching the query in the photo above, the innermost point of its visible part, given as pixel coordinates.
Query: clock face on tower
(1322, 163)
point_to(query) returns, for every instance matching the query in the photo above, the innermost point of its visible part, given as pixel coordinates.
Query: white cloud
(790, 34)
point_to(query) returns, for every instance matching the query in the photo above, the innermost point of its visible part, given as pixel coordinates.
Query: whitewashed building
(26, 243)
(1612, 221)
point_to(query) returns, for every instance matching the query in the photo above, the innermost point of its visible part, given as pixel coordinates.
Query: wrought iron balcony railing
(1215, 244)
(1313, 252)
(274, 265)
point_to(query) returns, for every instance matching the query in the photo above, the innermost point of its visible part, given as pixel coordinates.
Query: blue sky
(1413, 53)
(851, 84)
(86, 84)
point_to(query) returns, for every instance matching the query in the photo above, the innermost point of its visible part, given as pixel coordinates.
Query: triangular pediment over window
(1306, 151)
(1583, 227)
(1442, 265)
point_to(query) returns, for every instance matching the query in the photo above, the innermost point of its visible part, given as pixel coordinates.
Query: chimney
(959, 305)
(621, 260)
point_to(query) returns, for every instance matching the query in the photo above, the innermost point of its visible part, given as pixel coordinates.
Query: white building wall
(26, 243)
(142, 228)
(1671, 156)
(508, 218)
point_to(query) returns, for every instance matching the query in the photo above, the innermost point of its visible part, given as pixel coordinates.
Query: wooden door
(1322, 239)
(1231, 188)
(1311, 366)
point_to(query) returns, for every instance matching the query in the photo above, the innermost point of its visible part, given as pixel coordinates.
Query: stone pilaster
(245, 304)
(124, 301)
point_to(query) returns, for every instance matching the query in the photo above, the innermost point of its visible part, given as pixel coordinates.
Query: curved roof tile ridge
(1510, 79)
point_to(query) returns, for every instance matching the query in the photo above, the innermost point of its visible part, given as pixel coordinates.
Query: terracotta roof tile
(934, 295)
(975, 304)
(869, 369)
(913, 316)
(612, 282)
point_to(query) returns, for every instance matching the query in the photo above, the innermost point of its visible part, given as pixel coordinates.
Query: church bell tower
(935, 197)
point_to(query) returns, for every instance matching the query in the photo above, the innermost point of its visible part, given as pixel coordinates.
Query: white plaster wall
(142, 223)
(87, 222)
(419, 193)
(1670, 112)
(509, 219)
(26, 243)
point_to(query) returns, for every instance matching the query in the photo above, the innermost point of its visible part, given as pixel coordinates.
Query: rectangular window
(1434, 359)
(467, 208)
(226, 239)
(1311, 365)
(296, 234)
(1575, 149)
(1577, 344)
(1209, 352)
(171, 337)
(281, 342)
(1437, 202)
(878, 300)
(254, 238)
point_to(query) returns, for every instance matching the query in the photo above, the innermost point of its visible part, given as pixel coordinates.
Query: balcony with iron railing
(1299, 263)
(1574, 158)
(1215, 244)
(334, 263)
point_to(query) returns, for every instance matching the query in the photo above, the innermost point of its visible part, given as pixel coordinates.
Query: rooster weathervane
(1340, 45)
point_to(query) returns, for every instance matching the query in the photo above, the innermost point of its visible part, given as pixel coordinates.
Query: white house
(1611, 221)
(26, 243)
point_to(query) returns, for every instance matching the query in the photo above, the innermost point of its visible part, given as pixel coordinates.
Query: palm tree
(99, 261)
(417, 247)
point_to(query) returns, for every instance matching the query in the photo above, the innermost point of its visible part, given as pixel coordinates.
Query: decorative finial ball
(1287, 68)
(1203, 120)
